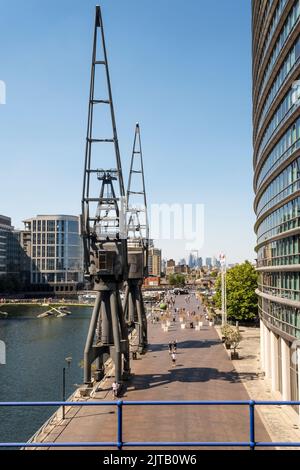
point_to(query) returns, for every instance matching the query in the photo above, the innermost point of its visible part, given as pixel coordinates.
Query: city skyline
(44, 127)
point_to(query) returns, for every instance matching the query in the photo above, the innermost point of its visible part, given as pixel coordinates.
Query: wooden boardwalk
(203, 372)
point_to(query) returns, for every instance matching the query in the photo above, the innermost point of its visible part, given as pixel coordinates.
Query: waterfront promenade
(203, 372)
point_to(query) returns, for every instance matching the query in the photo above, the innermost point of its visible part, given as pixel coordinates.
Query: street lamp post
(68, 360)
(223, 289)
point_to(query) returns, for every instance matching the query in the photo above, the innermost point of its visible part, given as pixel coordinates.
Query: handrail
(120, 444)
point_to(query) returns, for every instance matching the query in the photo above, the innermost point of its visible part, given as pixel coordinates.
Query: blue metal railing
(120, 444)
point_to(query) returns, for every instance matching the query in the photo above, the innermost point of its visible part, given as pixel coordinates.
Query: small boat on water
(65, 310)
(43, 315)
(60, 315)
(59, 312)
(3, 314)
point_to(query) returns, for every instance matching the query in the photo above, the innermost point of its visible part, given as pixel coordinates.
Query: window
(73, 226)
(50, 264)
(50, 238)
(51, 225)
(50, 251)
(60, 264)
(73, 239)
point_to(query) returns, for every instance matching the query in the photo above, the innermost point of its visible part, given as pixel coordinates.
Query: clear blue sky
(182, 69)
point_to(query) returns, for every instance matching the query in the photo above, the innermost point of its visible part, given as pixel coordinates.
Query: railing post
(64, 392)
(120, 425)
(252, 424)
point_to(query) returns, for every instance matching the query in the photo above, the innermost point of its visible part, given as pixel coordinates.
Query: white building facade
(54, 246)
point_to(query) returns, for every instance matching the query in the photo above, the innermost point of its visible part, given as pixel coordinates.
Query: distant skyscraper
(170, 266)
(199, 262)
(208, 262)
(192, 260)
(154, 262)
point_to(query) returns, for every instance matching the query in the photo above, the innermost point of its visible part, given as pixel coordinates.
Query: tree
(177, 279)
(241, 282)
(214, 274)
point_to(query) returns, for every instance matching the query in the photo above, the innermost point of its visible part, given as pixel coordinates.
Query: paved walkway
(203, 372)
(281, 422)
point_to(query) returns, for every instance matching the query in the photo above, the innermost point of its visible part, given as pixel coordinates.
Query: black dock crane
(137, 244)
(103, 226)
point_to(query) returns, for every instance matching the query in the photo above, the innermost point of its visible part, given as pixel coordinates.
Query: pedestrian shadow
(188, 375)
(197, 344)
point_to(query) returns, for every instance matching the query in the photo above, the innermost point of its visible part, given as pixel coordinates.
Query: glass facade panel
(280, 315)
(285, 218)
(73, 226)
(51, 225)
(289, 143)
(288, 26)
(284, 185)
(50, 238)
(272, 26)
(287, 106)
(280, 284)
(285, 251)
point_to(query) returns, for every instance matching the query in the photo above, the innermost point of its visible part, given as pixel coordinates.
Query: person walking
(173, 356)
(170, 347)
(174, 346)
(115, 388)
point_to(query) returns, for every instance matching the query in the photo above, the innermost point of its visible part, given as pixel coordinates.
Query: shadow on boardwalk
(185, 345)
(187, 375)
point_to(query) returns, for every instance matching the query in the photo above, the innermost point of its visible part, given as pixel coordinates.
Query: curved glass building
(276, 160)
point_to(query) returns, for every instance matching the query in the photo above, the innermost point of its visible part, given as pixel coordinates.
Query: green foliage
(163, 306)
(177, 280)
(213, 273)
(241, 282)
(231, 335)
